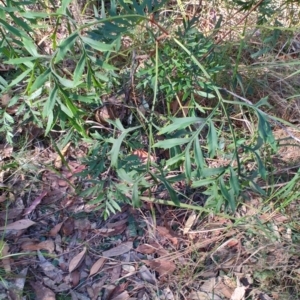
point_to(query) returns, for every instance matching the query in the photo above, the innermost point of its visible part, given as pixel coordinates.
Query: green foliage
(185, 66)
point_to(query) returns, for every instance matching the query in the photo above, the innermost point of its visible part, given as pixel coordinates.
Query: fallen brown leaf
(41, 292)
(35, 203)
(143, 156)
(18, 225)
(54, 231)
(96, 267)
(75, 278)
(119, 250)
(117, 291)
(77, 260)
(34, 246)
(63, 152)
(147, 249)
(4, 253)
(165, 232)
(163, 267)
(147, 275)
(123, 296)
(189, 223)
(115, 273)
(68, 227)
(238, 293)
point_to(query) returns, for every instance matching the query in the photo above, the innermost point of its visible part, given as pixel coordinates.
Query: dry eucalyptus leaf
(58, 159)
(189, 222)
(119, 250)
(68, 227)
(49, 269)
(165, 232)
(35, 203)
(77, 260)
(54, 231)
(238, 293)
(18, 225)
(45, 245)
(123, 296)
(163, 267)
(41, 292)
(147, 275)
(96, 267)
(147, 249)
(75, 278)
(4, 252)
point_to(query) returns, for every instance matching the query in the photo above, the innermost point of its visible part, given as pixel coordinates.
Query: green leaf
(180, 123)
(198, 155)
(136, 201)
(19, 78)
(187, 164)
(19, 60)
(124, 176)
(170, 189)
(175, 159)
(21, 23)
(115, 150)
(66, 82)
(79, 69)
(65, 46)
(50, 123)
(34, 14)
(203, 182)
(30, 47)
(63, 7)
(212, 140)
(234, 181)
(15, 31)
(65, 109)
(227, 195)
(41, 79)
(208, 172)
(49, 105)
(169, 143)
(97, 45)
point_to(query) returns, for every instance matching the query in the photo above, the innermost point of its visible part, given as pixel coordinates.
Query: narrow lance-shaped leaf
(114, 152)
(96, 44)
(15, 31)
(79, 69)
(41, 79)
(65, 46)
(20, 23)
(212, 139)
(187, 164)
(30, 47)
(198, 154)
(49, 105)
(136, 201)
(227, 195)
(49, 122)
(180, 123)
(234, 181)
(63, 7)
(169, 143)
(19, 78)
(170, 189)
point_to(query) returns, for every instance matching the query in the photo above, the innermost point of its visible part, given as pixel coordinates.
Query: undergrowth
(134, 80)
(178, 104)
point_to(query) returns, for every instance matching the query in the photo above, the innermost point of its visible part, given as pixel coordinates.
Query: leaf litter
(77, 253)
